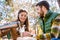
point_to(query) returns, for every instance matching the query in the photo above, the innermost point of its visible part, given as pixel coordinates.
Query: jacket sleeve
(4, 32)
(14, 33)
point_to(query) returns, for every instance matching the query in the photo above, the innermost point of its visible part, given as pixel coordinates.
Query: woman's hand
(26, 34)
(32, 31)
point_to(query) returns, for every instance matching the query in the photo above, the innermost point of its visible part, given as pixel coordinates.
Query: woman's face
(23, 16)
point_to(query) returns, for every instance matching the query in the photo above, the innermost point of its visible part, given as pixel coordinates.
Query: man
(46, 16)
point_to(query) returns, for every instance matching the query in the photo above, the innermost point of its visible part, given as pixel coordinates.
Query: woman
(23, 20)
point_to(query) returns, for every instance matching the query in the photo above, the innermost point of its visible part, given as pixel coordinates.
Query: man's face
(39, 10)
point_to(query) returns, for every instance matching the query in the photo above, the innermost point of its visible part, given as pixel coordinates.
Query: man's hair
(43, 3)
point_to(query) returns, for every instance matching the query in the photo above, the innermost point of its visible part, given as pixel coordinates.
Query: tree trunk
(58, 2)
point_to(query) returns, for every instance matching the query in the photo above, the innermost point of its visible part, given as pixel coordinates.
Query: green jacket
(46, 23)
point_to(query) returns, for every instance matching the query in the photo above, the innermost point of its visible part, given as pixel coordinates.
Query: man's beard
(41, 15)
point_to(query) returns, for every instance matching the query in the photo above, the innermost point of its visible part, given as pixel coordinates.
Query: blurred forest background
(9, 9)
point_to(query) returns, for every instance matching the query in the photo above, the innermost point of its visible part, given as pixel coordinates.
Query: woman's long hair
(26, 21)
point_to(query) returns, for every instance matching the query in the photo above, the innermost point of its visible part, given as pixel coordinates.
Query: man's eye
(37, 9)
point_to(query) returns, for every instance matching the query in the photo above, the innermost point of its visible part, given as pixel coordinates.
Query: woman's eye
(21, 15)
(24, 15)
